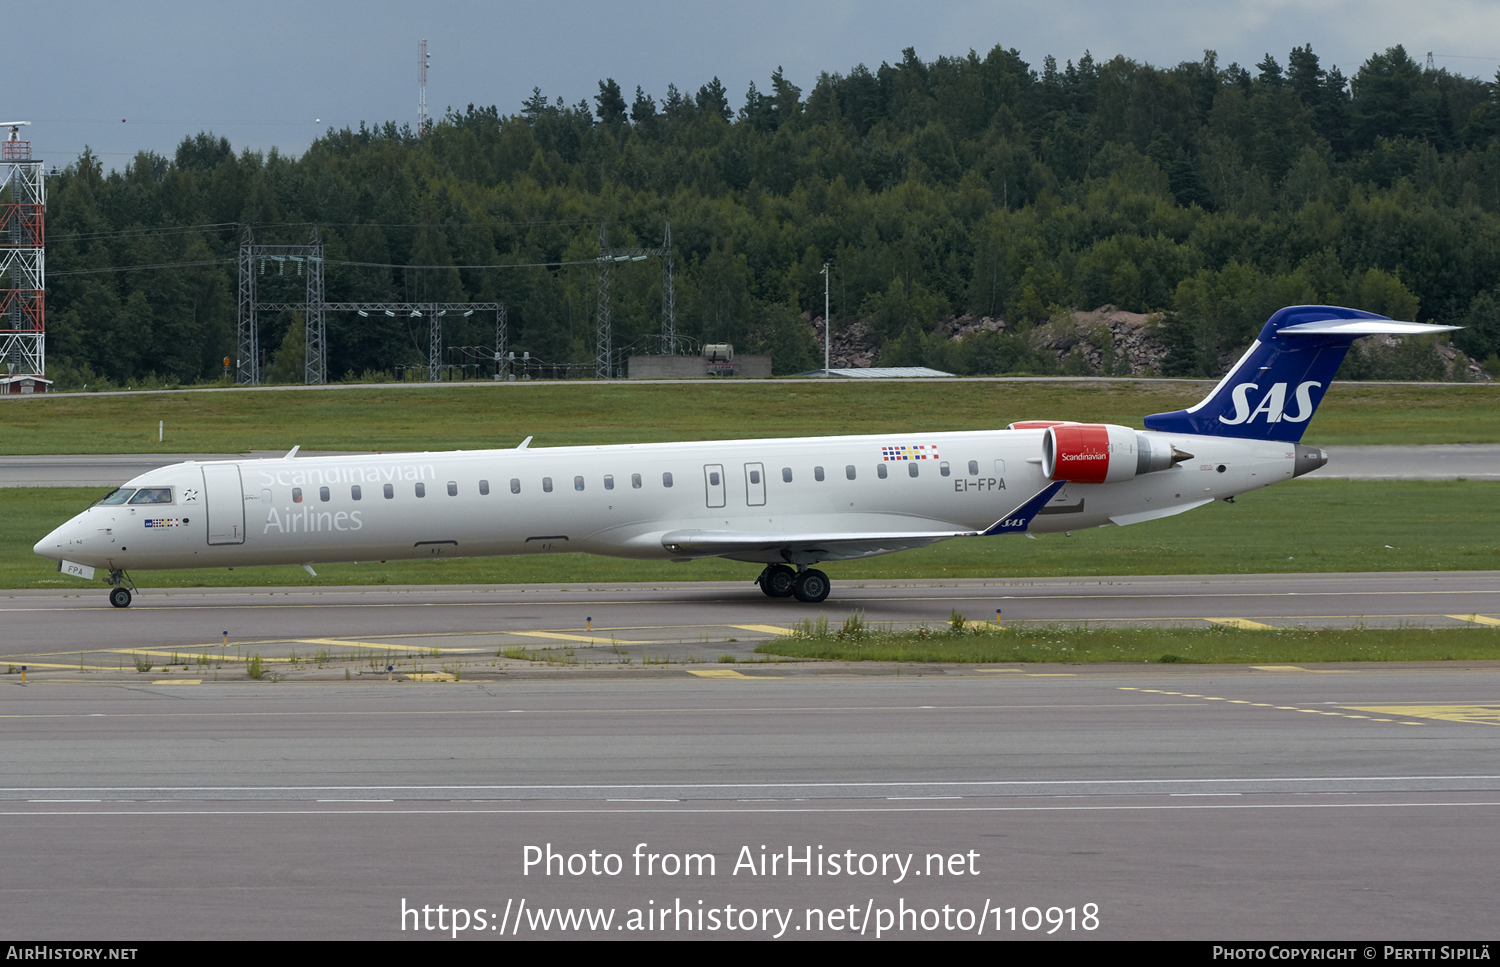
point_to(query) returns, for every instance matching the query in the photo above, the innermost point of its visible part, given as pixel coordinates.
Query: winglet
(1019, 519)
(293, 452)
(523, 443)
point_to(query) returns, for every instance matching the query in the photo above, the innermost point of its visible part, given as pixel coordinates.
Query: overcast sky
(279, 73)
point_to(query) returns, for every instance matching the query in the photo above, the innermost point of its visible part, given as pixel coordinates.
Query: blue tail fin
(1271, 393)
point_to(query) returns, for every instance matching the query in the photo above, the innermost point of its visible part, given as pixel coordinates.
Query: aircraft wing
(812, 547)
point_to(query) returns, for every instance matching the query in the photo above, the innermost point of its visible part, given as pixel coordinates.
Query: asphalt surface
(1193, 803)
(1474, 461)
(644, 624)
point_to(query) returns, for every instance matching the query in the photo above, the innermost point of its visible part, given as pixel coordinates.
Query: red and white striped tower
(23, 257)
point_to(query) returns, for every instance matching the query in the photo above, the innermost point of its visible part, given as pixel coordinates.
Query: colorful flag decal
(905, 452)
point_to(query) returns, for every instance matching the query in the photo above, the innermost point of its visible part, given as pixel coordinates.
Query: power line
(370, 265)
(506, 265)
(126, 232)
(140, 268)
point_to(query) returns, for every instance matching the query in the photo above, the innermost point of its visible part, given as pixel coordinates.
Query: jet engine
(1103, 453)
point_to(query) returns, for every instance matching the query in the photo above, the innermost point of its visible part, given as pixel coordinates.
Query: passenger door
(224, 501)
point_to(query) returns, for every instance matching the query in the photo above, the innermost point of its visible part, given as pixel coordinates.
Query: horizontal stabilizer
(1364, 327)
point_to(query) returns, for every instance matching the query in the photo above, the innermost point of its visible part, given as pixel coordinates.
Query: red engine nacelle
(1094, 453)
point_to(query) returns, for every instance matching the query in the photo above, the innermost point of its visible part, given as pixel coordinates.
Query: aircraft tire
(811, 586)
(777, 580)
(120, 597)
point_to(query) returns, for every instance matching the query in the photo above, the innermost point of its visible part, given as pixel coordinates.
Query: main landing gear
(806, 584)
(119, 595)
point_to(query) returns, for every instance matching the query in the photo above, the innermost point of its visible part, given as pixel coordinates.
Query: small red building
(23, 384)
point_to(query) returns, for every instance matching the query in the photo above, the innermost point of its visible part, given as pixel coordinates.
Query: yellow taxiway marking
(340, 642)
(176, 681)
(557, 636)
(34, 665)
(1243, 623)
(1299, 668)
(724, 673)
(1478, 619)
(1023, 674)
(1476, 714)
(763, 629)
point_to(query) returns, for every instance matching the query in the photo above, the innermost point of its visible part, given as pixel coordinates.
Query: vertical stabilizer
(1273, 390)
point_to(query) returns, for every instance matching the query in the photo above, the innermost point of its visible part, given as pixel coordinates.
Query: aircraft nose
(52, 545)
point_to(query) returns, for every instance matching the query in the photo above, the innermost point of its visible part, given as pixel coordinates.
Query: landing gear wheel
(120, 597)
(777, 580)
(811, 586)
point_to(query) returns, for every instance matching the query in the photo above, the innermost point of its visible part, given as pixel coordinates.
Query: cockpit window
(118, 496)
(152, 495)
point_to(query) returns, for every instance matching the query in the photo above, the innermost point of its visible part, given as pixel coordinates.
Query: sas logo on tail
(1272, 404)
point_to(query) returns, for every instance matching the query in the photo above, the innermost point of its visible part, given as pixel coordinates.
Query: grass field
(1299, 526)
(478, 416)
(986, 643)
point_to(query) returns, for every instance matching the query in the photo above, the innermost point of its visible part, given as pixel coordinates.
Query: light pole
(827, 333)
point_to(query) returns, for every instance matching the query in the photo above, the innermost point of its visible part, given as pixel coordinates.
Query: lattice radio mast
(23, 255)
(422, 58)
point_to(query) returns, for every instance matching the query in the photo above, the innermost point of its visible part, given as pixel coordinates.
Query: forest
(984, 186)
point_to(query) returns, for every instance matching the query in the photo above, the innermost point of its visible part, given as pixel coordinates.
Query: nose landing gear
(119, 595)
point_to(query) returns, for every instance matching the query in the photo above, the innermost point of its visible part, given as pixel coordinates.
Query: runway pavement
(1474, 461)
(1196, 803)
(637, 627)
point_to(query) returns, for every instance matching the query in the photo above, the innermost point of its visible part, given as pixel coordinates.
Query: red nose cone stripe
(1082, 453)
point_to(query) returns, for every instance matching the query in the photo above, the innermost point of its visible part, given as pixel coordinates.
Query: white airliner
(788, 504)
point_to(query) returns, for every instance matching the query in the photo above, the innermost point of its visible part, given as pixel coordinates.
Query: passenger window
(609, 482)
(577, 483)
(296, 495)
(153, 495)
(849, 471)
(755, 476)
(913, 468)
(355, 492)
(1000, 467)
(421, 490)
(117, 497)
(635, 481)
(484, 488)
(546, 485)
(786, 474)
(880, 471)
(713, 478)
(515, 485)
(943, 468)
(453, 488)
(973, 468)
(323, 494)
(666, 479)
(818, 474)
(390, 491)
